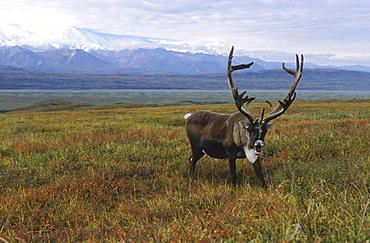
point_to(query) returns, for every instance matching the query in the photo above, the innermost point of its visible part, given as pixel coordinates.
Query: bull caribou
(237, 135)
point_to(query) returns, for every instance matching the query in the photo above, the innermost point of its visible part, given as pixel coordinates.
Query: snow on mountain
(70, 38)
(86, 51)
(12, 35)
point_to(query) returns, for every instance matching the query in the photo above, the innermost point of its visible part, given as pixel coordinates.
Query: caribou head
(237, 135)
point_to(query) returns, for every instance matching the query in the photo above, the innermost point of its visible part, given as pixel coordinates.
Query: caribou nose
(258, 146)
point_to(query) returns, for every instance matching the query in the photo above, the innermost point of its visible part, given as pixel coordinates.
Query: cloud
(314, 27)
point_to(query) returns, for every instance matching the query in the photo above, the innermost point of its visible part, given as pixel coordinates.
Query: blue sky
(327, 32)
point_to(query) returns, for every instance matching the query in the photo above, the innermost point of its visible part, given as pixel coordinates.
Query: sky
(328, 32)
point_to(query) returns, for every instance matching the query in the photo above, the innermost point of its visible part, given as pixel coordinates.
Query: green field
(116, 174)
(12, 99)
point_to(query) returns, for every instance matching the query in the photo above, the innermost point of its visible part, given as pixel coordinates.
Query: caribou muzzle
(258, 145)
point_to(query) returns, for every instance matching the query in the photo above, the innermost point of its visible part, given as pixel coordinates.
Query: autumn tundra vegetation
(120, 174)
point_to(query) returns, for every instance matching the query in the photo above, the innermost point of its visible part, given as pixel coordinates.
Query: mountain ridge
(139, 61)
(143, 61)
(120, 53)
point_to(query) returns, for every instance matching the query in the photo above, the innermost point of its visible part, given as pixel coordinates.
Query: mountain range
(81, 59)
(76, 50)
(139, 61)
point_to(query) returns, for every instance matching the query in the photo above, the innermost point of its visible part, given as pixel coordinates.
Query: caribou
(237, 135)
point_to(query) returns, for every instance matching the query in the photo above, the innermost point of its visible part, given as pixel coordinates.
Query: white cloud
(317, 28)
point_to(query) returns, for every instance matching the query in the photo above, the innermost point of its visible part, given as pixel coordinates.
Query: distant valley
(313, 79)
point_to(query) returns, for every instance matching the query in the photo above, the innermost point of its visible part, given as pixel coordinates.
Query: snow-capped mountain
(11, 35)
(143, 61)
(76, 50)
(70, 38)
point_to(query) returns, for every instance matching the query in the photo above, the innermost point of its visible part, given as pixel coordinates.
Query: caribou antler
(240, 101)
(280, 108)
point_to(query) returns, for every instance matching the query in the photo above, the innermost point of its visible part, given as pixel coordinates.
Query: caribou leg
(193, 159)
(258, 169)
(232, 164)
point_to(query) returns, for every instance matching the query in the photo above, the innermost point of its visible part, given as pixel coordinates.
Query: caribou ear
(269, 125)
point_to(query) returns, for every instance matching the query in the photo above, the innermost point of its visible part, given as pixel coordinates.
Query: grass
(13, 99)
(120, 174)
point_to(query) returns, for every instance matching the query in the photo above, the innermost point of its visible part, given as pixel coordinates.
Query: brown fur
(220, 136)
